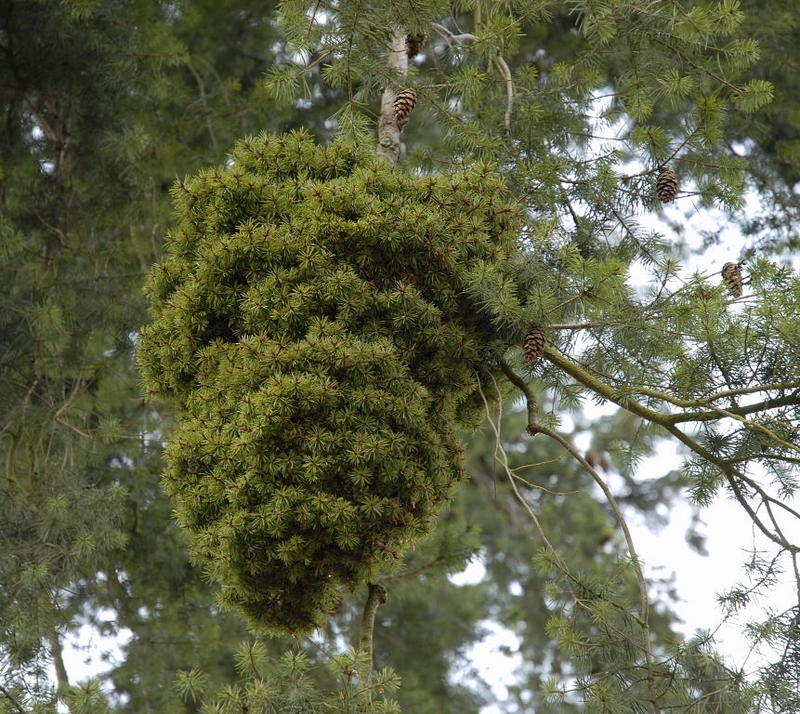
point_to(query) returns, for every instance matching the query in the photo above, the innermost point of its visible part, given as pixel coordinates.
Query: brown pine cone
(415, 43)
(404, 104)
(666, 185)
(533, 346)
(732, 277)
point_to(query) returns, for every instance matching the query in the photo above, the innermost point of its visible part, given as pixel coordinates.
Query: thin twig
(534, 428)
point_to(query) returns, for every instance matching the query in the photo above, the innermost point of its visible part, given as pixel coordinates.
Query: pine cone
(415, 43)
(533, 347)
(732, 277)
(666, 185)
(404, 104)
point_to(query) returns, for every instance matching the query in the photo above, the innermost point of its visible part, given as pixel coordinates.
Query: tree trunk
(388, 130)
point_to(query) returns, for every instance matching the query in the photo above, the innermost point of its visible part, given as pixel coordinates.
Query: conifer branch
(530, 399)
(375, 597)
(534, 428)
(58, 660)
(777, 536)
(502, 457)
(706, 401)
(14, 701)
(644, 603)
(502, 65)
(598, 386)
(725, 83)
(451, 38)
(388, 128)
(737, 413)
(731, 474)
(661, 418)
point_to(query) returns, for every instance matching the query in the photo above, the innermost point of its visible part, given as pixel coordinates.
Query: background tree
(105, 103)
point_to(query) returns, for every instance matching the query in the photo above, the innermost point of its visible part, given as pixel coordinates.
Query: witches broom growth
(312, 324)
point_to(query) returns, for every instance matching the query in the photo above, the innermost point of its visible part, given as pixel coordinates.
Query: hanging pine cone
(533, 347)
(415, 43)
(732, 277)
(404, 104)
(666, 185)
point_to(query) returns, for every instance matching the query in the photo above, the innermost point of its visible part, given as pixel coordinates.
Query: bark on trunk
(388, 130)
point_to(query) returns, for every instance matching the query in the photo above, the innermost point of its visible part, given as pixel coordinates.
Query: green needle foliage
(579, 103)
(286, 686)
(312, 320)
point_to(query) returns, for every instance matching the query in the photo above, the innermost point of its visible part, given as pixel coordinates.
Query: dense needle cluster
(311, 319)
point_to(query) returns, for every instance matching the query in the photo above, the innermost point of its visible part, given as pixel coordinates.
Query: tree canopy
(398, 246)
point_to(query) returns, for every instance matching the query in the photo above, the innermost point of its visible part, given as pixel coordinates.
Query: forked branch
(534, 428)
(732, 475)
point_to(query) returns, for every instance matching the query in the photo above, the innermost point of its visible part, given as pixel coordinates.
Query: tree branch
(14, 701)
(58, 661)
(731, 474)
(533, 428)
(598, 386)
(502, 65)
(375, 598)
(519, 383)
(450, 38)
(706, 401)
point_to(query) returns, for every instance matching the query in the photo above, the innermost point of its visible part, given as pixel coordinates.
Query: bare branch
(375, 598)
(502, 65)
(450, 38)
